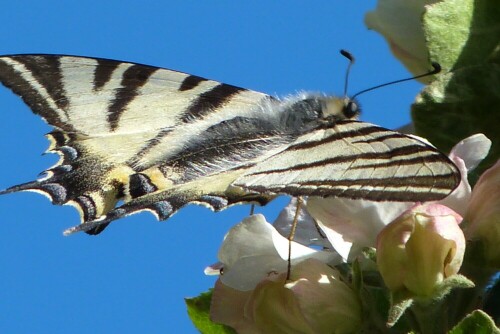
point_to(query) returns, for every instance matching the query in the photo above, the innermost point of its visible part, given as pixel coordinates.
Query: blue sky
(133, 277)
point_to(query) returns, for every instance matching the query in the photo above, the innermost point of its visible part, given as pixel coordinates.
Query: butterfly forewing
(160, 139)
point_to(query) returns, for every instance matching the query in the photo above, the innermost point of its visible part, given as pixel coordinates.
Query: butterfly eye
(351, 110)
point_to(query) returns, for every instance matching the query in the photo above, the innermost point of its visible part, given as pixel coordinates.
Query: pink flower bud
(421, 248)
(483, 214)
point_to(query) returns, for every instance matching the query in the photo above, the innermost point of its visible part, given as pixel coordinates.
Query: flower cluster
(419, 248)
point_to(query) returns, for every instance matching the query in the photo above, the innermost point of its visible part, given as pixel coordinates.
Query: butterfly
(133, 137)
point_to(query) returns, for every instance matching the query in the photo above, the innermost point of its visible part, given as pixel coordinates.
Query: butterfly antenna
(436, 68)
(351, 59)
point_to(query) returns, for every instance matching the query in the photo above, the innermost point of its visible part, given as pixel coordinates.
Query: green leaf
(198, 309)
(376, 305)
(445, 45)
(453, 282)
(357, 278)
(464, 37)
(477, 322)
(461, 33)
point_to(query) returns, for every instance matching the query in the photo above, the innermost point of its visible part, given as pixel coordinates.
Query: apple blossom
(420, 249)
(313, 301)
(253, 249)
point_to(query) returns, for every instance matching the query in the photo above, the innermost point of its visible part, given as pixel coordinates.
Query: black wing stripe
(411, 188)
(393, 135)
(209, 101)
(133, 78)
(420, 160)
(149, 146)
(342, 135)
(103, 72)
(391, 154)
(47, 71)
(190, 82)
(31, 96)
(437, 181)
(367, 194)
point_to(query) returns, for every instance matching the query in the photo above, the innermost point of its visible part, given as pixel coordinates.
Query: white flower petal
(466, 155)
(472, 150)
(213, 269)
(400, 22)
(299, 251)
(353, 222)
(252, 235)
(254, 250)
(306, 232)
(245, 274)
(340, 245)
(458, 200)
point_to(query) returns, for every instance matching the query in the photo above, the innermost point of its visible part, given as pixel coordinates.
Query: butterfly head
(340, 108)
(310, 111)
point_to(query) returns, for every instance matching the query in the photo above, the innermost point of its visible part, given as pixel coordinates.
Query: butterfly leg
(291, 235)
(252, 209)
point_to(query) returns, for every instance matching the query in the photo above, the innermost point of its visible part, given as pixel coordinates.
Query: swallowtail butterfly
(159, 139)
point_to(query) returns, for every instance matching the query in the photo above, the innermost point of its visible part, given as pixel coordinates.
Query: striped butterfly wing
(356, 160)
(116, 122)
